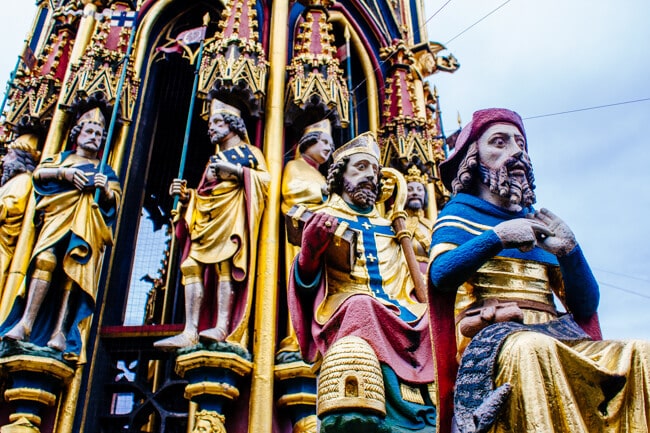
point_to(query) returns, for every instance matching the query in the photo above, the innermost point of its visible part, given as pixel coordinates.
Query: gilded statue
(365, 323)
(73, 233)
(15, 190)
(220, 223)
(303, 184)
(419, 226)
(526, 366)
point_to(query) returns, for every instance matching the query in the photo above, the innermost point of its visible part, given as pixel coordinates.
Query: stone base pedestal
(297, 389)
(213, 381)
(34, 385)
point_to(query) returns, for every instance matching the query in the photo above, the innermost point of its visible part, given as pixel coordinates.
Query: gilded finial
(415, 175)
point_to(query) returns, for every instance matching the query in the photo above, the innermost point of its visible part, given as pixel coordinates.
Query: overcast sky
(540, 58)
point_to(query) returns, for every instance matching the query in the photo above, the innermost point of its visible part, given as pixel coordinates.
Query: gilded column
(261, 405)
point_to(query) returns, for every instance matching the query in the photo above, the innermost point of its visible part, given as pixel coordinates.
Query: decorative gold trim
(31, 394)
(308, 424)
(212, 388)
(265, 324)
(37, 364)
(465, 221)
(305, 398)
(432, 389)
(35, 420)
(458, 226)
(438, 249)
(294, 369)
(411, 393)
(205, 358)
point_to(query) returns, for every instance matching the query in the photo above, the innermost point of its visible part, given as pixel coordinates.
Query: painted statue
(417, 223)
(73, 232)
(303, 184)
(365, 323)
(15, 190)
(221, 219)
(525, 366)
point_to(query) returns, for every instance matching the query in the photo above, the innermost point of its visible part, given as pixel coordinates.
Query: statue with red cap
(497, 264)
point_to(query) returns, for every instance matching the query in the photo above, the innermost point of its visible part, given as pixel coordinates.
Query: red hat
(481, 120)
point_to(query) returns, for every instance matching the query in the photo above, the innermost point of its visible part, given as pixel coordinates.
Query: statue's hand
(76, 177)
(179, 188)
(521, 233)
(225, 170)
(101, 181)
(316, 237)
(562, 241)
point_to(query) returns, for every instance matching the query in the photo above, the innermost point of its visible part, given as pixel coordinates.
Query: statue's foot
(214, 334)
(57, 342)
(184, 339)
(18, 333)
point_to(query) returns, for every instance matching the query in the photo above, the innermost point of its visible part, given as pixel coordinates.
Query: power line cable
(595, 107)
(642, 295)
(484, 17)
(647, 280)
(381, 63)
(436, 12)
(587, 108)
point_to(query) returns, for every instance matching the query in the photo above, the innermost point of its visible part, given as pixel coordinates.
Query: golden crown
(415, 175)
(320, 126)
(364, 143)
(27, 143)
(220, 107)
(94, 116)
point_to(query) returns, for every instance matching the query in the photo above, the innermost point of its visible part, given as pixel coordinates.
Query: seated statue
(303, 184)
(73, 232)
(364, 323)
(524, 365)
(218, 232)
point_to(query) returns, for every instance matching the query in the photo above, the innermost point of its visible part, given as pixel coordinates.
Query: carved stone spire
(316, 88)
(234, 65)
(100, 67)
(403, 135)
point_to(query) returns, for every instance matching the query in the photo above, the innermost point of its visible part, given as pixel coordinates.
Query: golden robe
(69, 222)
(13, 201)
(301, 184)
(223, 220)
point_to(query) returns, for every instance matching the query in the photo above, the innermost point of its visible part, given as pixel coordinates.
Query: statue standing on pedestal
(73, 232)
(218, 232)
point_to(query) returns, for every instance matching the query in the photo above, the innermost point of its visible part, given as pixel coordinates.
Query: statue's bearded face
(504, 164)
(218, 129)
(360, 180)
(415, 195)
(90, 137)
